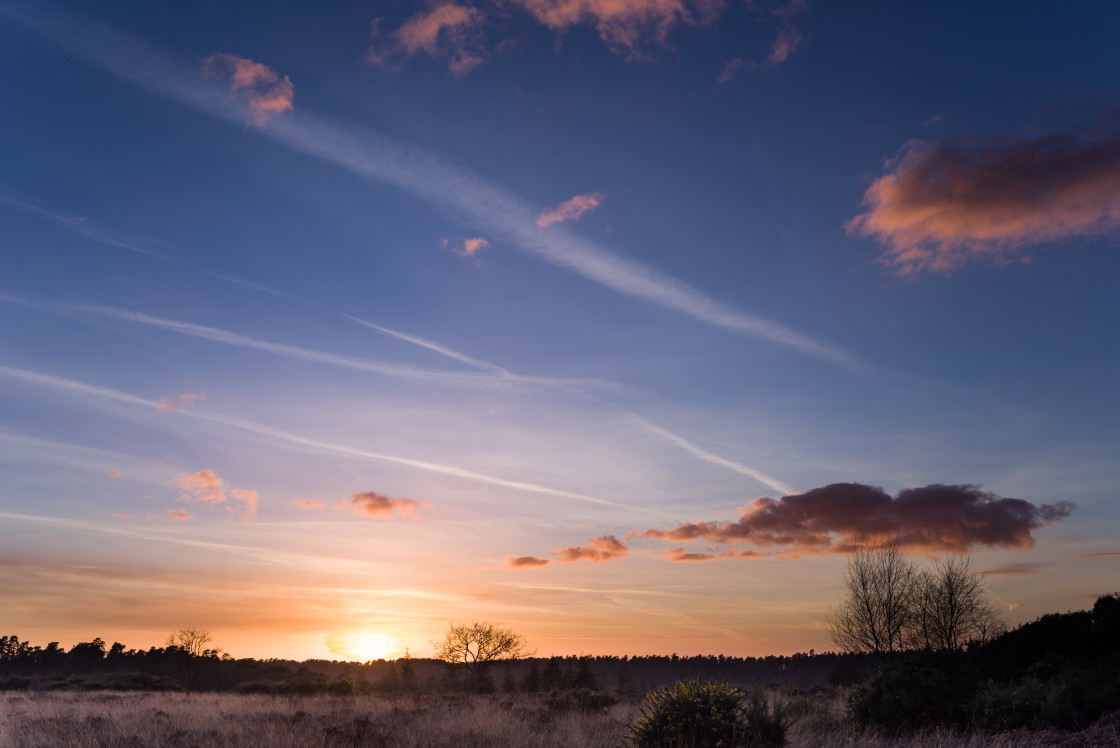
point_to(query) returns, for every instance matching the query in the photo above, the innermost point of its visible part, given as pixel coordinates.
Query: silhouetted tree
(476, 645)
(875, 615)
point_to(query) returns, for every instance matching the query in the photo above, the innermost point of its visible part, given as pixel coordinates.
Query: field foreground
(78, 720)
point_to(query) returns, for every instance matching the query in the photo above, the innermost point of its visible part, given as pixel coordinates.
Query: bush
(706, 714)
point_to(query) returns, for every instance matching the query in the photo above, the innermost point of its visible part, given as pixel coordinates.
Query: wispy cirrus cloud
(1102, 554)
(463, 194)
(450, 31)
(108, 393)
(373, 504)
(309, 503)
(840, 517)
(597, 550)
(265, 91)
(945, 204)
(571, 209)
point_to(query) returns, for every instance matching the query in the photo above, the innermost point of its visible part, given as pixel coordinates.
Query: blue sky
(325, 323)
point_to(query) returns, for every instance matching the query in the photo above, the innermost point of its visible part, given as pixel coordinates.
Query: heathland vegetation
(927, 662)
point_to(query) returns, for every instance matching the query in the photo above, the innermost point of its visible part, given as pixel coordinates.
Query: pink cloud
(265, 91)
(571, 210)
(731, 69)
(249, 498)
(450, 31)
(467, 247)
(123, 517)
(1103, 554)
(309, 503)
(945, 204)
(112, 474)
(788, 41)
(838, 518)
(201, 486)
(625, 25)
(177, 515)
(376, 505)
(186, 400)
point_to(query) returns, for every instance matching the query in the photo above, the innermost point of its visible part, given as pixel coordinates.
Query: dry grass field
(133, 720)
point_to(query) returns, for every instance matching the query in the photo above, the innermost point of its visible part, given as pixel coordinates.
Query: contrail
(468, 196)
(47, 380)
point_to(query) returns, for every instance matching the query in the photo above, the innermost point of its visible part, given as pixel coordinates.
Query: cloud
(625, 25)
(267, 93)
(570, 210)
(731, 69)
(597, 550)
(449, 31)
(468, 247)
(1104, 554)
(186, 400)
(944, 204)
(249, 498)
(309, 503)
(1013, 570)
(680, 554)
(202, 486)
(838, 518)
(122, 517)
(376, 505)
(788, 41)
(112, 474)
(108, 393)
(459, 192)
(522, 562)
(177, 515)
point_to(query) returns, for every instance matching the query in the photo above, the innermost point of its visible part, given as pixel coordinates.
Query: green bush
(707, 714)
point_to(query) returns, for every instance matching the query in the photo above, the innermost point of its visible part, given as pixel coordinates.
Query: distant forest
(95, 665)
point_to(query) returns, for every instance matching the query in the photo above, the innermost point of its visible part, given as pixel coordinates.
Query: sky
(619, 323)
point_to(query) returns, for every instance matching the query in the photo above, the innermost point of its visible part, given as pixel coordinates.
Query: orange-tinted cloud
(177, 515)
(838, 518)
(571, 210)
(944, 204)
(680, 554)
(376, 505)
(627, 26)
(249, 498)
(123, 517)
(1104, 554)
(265, 91)
(202, 486)
(450, 31)
(309, 503)
(170, 404)
(522, 562)
(597, 550)
(112, 474)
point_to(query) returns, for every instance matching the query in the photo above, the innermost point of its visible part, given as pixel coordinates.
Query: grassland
(30, 719)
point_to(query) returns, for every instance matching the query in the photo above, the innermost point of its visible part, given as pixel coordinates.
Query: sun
(365, 645)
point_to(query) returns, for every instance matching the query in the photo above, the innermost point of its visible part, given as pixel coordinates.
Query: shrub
(706, 714)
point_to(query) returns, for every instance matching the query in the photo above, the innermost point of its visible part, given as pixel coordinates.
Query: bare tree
(477, 644)
(877, 610)
(952, 607)
(891, 605)
(191, 641)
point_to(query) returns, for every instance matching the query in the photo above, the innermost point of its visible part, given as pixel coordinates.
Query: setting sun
(363, 646)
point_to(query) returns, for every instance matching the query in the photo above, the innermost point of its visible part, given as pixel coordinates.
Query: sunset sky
(615, 322)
